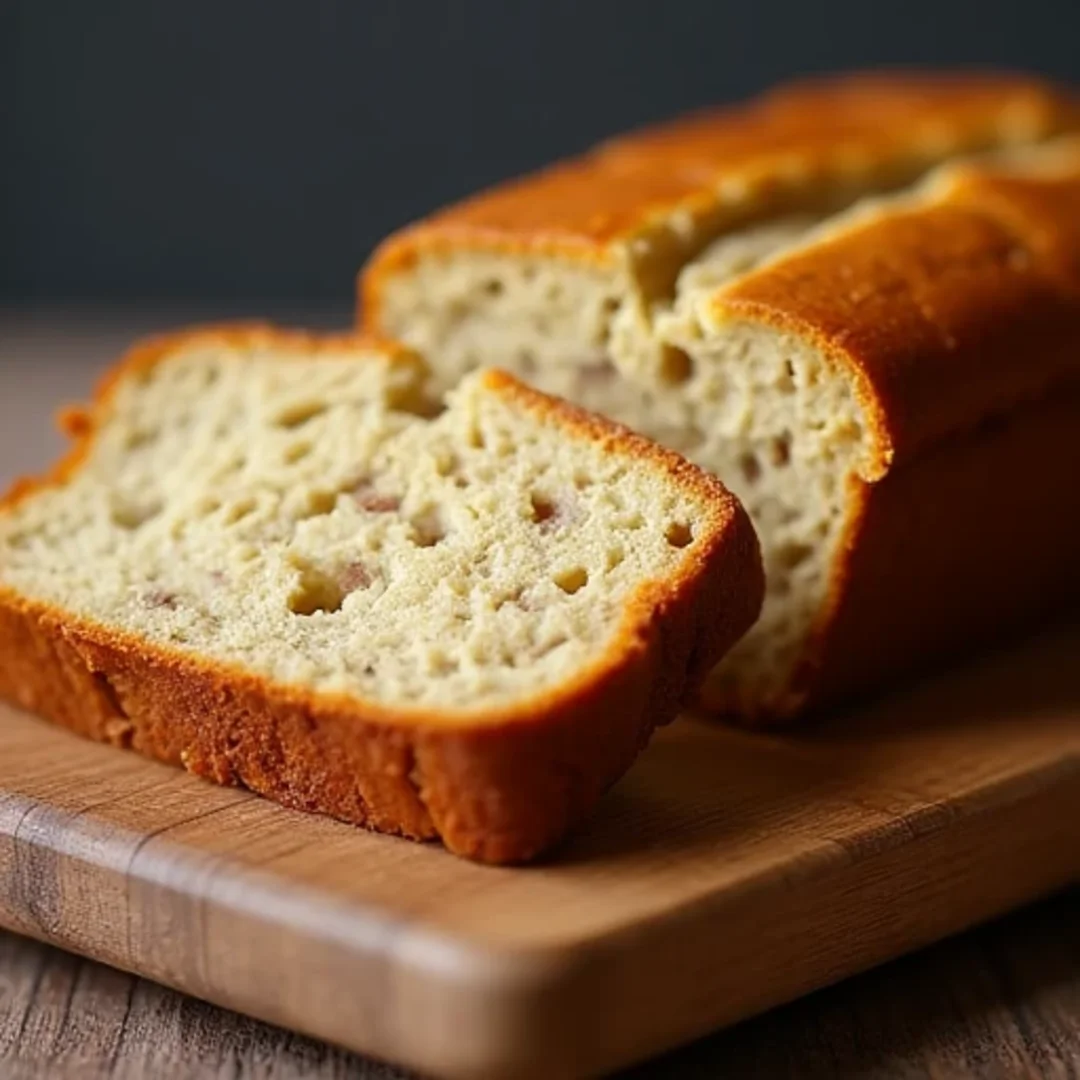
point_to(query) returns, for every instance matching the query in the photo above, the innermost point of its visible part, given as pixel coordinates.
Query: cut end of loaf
(780, 423)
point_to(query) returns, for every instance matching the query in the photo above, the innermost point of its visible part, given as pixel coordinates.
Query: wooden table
(1001, 1001)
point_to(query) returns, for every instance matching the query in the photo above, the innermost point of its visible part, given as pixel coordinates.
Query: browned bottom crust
(496, 792)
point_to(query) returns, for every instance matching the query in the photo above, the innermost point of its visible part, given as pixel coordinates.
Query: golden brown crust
(1044, 209)
(959, 322)
(496, 785)
(801, 137)
(975, 539)
(931, 308)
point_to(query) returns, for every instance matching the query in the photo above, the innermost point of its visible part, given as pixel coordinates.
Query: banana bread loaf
(857, 301)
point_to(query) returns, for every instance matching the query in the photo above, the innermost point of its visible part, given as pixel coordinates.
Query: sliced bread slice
(279, 561)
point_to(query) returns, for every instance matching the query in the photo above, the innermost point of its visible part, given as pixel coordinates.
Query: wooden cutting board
(726, 873)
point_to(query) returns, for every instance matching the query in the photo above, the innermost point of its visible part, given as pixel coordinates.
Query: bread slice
(280, 562)
(881, 364)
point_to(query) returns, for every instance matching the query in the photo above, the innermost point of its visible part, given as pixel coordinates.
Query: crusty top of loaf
(854, 130)
(947, 306)
(719, 563)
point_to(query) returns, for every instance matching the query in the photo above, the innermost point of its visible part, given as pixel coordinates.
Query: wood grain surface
(1001, 1001)
(725, 874)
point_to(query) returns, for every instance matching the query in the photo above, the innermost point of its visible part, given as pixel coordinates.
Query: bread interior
(325, 521)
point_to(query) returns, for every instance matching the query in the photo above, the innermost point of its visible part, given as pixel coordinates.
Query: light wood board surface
(1002, 1000)
(726, 873)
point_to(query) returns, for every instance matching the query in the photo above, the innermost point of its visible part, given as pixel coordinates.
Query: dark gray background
(250, 152)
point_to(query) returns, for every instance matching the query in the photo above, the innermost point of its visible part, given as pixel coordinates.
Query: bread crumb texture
(324, 521)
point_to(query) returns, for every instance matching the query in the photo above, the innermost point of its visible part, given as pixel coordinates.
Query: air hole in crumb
(572, 580)
(239, 510)
(319, 502)
(780, 449)
(475, 438)
(414, 402)
(787, 382)
(791, 555)
(428, 529)
(132, 516)
(299, 412)
(678, 534)
(610, 306)
(553, 513)
(296, 452)
(446, 463)
(313, 596)
(318, 591)
(479, 653)
(614, 557)
(439, 663)
(139, 438)
(750, 467)
(675, 365)
(206, 506)
(514, 597)
(543, 509)
(493, 287)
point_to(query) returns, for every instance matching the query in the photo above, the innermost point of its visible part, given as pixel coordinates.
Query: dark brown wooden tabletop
(1000, 1001)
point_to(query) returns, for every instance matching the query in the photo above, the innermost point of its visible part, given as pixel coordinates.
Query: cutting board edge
(486, 1012)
